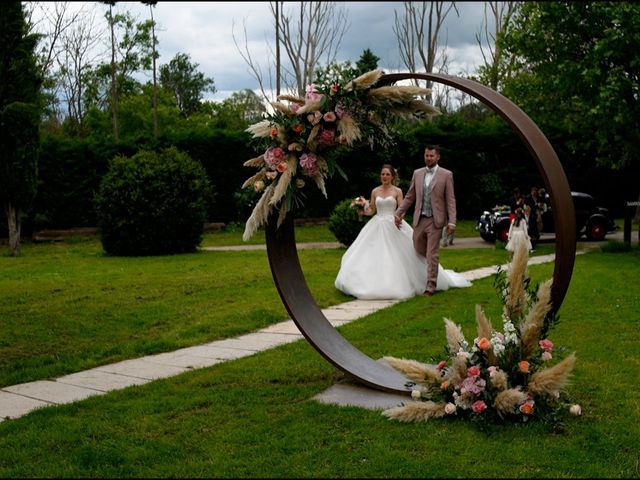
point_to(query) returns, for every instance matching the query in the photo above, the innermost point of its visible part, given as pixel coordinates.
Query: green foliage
(577, 69)
(345, 223)
(181, 78)
(152, 204)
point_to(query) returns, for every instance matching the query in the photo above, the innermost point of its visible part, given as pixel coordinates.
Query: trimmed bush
(153, 203)
(344, 222)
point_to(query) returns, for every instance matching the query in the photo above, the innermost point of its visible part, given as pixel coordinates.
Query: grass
(254, 417)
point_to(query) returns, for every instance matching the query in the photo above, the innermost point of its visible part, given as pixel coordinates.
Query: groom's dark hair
(433, 147)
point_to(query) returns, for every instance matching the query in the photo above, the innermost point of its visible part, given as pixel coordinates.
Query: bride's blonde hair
(394, 174)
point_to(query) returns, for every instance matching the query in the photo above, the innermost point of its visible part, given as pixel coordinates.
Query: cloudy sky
(204, 30)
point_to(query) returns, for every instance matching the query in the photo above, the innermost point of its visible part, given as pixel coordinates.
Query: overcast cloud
(204, 31)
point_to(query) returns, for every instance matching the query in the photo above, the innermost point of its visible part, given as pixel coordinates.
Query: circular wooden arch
(304, 311)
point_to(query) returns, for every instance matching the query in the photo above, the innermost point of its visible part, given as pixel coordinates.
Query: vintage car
(591, 221)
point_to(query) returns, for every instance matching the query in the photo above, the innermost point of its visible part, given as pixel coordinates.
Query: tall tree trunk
(114, 90)
(14, 223)
(155, 84)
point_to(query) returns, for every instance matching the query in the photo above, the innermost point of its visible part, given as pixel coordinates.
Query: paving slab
(349, 395)
(288, 327)
(52, 391)
(101, 380)
(183, 360)
(13, 405)
(257, 341)
(214, 350)
(142, 369)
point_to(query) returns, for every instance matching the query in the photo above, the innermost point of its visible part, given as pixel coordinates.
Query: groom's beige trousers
(426, 241)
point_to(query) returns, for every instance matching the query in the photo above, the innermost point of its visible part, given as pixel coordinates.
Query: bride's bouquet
(298, 142)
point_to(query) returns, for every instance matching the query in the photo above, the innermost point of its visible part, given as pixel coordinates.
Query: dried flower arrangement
(301, 141)
(501, 376)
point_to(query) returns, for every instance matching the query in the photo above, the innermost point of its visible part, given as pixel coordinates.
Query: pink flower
(295, 107)
(281, 167)
(314, 117)
(478, 406)
(312, 94)
(329, 117)
(546, 345)
(492, 370)
(473, 385)
(546, 356)
(309, 164)
(340, 111)
(441, 365)
(473, 371)
(273, 156)
(326, 137)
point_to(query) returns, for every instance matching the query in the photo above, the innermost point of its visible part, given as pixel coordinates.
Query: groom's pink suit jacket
(443, 201)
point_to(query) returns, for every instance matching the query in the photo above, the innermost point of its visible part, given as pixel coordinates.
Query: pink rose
(492, 370)
(295, 107)
(329, 117)
(473, 371)
(309, 164)
(546, 356)
(546, 345)
(273, 156)
(478, 406)
(326, 137)
(312, 94)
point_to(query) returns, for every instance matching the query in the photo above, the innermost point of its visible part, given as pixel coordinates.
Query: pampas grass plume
(416, 411)
(533, 323)
(553, 379)
(507, 401)
(455, 338)
(414, 370)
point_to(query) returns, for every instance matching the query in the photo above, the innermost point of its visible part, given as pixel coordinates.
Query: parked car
(591, 221)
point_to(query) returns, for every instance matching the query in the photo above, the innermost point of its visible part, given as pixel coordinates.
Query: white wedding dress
(382, 264)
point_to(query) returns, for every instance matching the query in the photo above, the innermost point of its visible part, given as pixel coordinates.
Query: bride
(381, 263)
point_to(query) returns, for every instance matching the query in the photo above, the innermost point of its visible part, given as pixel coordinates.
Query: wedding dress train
(382, 264)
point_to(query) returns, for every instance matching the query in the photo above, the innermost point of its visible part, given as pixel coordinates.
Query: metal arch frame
(302, 307)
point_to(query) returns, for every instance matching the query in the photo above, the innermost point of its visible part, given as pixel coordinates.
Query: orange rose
(523, 366)
(484, 344)
(444, 385)
(274, 132)
(527, 407)
(281, 167)
(297, 127)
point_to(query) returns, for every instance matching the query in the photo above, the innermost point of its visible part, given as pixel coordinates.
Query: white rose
(575, 410)
(416, 394)
(449, 408)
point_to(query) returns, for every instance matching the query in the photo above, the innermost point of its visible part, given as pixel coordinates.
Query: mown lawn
(255, 417)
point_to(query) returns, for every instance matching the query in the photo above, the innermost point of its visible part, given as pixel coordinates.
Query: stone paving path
(18, 400)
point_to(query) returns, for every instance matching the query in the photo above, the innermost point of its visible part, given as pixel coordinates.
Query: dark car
(592, 221)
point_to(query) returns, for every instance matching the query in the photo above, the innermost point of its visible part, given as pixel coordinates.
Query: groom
(432, 193)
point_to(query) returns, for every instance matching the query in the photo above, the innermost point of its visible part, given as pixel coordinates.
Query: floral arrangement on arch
(300, 141)
(506, 375)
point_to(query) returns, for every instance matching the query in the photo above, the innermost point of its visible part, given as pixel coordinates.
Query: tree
(421, 50)
(20, 108)
(494, 69)
(576, 70)
(310, 33)
(155, 55)
(367, 61)
(188, 85)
